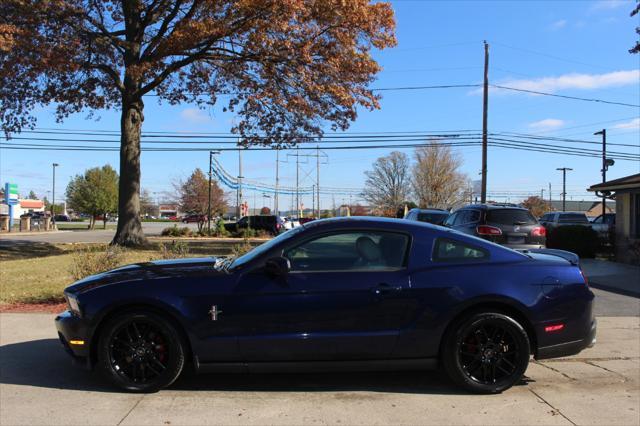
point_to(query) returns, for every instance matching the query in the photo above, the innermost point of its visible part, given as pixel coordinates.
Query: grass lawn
(42, 279)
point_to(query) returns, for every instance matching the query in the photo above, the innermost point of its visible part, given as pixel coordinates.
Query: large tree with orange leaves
(290, 67)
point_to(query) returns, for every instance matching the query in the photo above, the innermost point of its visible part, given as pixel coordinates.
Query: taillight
(584, 277)
(539, 231)
(488, 230)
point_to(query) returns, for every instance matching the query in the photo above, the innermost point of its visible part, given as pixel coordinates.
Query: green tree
(95, 192)
(32, 196)
(286, 67)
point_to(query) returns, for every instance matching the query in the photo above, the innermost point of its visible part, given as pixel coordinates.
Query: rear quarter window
(448, 250)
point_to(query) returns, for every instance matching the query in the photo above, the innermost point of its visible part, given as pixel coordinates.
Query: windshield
(437, 218)
(263, 248)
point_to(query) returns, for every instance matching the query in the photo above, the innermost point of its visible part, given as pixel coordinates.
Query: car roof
(492, 207)
(429, 210)
(364, 221)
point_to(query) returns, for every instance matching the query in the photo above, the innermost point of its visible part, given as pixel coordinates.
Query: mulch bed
(48, 308)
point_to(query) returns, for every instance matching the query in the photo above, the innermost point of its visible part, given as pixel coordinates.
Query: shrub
(175, 250)
(221, 231)
(578, 239)
(246, 233)
(91, 261)
(174, 231)
(240, 249)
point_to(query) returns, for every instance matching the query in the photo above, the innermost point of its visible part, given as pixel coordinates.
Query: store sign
(11, 193)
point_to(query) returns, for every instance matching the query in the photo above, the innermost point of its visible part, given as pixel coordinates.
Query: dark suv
(269, 223)
(510, 226)
(435, 216)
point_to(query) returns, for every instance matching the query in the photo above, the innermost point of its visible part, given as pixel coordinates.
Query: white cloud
(559, 24)
(609, 4)
(633, 124)
(547, 124)
(194, 116)
(577, 81)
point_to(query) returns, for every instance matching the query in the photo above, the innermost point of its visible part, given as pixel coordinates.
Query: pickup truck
(556, 219)
(606, 227)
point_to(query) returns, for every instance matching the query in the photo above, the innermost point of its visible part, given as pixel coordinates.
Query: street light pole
(605, 166)
(564, 185)
(53, 192)
(211, 153)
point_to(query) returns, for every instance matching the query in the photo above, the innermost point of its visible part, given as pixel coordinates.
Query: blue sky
(575, 48)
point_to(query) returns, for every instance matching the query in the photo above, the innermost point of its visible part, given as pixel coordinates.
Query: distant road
(96, 236)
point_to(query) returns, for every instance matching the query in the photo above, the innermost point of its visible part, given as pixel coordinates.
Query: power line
(564, 96)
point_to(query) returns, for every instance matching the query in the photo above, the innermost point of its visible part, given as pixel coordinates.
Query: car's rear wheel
(140, 352)
(486, 352)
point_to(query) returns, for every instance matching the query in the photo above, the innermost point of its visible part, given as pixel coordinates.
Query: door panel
(345, 298)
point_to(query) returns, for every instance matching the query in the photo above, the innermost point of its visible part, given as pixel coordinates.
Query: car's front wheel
(486, 352)
(140, 352)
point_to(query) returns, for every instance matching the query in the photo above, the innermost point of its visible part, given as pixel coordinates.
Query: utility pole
(275, 198)
(605, 165)
(211, 153)
(564, 186)
(298, 182)
(485, 107)
(239, 191)
(318, 177)
(53, 202)
(549, 194)
(542, 194)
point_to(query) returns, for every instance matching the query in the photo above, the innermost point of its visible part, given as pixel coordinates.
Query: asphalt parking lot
(38, 385)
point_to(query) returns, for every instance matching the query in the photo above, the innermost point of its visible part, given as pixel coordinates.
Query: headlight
(73, 304)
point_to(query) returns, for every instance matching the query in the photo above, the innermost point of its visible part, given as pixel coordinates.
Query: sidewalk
(611, 276)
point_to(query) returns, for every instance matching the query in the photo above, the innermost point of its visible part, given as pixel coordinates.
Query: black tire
(140, 352)
(486, 352)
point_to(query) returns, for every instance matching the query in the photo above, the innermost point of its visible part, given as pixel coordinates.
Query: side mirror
(277, 266)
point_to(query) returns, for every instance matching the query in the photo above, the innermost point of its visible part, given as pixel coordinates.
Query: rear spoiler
(572, 258)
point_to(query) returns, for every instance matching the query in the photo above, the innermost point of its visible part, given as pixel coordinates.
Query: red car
(194, 218)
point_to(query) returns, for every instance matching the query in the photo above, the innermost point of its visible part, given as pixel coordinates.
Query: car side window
(472, 216)
(350, 251)
(447, 250)
(451, 219)
(461, 218)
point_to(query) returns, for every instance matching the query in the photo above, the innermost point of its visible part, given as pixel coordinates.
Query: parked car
(508, 225)
(435, 216)
(605, 228)
(552, 220)
(335, 294)
(194, 218)
(289, 223)
(272, 224)
(62, 218)
(304, 220)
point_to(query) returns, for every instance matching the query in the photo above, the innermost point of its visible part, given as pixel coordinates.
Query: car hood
(148, 270)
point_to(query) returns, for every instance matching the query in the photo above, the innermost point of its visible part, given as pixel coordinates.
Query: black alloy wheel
(486, 353)
(141, 352)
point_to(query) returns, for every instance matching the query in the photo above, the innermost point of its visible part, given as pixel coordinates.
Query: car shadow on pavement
(43, 363)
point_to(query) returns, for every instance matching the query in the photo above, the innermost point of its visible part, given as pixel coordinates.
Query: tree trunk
(129, 232)
(92, 221)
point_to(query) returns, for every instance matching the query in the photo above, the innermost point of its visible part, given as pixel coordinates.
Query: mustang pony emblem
(214, 312)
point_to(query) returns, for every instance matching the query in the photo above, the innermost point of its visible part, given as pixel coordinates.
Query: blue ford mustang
(349, 293)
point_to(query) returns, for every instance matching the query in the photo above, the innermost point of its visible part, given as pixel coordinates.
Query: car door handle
(384, 288)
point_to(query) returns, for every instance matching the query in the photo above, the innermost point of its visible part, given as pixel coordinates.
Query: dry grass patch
(42, 279)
